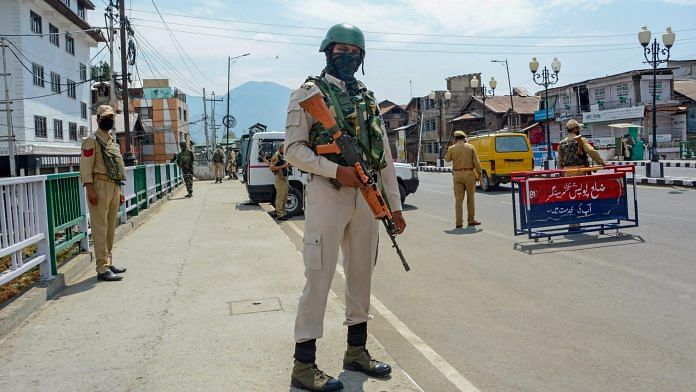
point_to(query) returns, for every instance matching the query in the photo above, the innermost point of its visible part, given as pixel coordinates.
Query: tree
(233, 136)
(100, 71)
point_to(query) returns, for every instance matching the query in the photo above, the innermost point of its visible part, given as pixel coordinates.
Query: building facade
(496, 114)
(163, 115)
(49, 84)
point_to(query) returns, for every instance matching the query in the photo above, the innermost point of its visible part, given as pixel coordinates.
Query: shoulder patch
(87, 152)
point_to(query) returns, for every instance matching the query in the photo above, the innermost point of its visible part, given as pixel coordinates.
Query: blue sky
(408, 40)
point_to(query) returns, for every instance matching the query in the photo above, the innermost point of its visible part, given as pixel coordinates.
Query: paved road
(673, 171)
(586, 313)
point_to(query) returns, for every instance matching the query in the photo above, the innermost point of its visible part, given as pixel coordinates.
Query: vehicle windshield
(268, 147)
(511, 144)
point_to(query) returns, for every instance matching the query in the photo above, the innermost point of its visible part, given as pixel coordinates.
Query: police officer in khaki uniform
(338, 216)
(102, 171)
(466, 170)
(573, 155)
(219, 165)
(232, 164)
(279, 167)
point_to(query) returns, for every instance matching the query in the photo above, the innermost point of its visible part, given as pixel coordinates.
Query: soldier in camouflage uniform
(338, 217)
(185, 161)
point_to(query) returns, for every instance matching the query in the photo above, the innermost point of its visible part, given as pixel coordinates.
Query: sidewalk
(208, 304)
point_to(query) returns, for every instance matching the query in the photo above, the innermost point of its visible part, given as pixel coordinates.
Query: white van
(259, 179)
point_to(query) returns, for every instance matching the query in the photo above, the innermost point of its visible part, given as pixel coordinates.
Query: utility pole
(112, 74)
(128, 157)
(8, 113)
(205, 120)
(227, 121)
(213, 127)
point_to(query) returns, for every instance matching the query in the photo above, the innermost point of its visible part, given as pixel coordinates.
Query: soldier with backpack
(185, 161)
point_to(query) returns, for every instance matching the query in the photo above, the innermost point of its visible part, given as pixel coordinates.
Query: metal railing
(43, 216)
(687, 149)
(23, 224)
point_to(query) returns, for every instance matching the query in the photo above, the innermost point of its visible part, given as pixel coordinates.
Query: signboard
(614, 114)
(602, 141)
(679, 126)
(157, 93)
(570, 200)
(540, 115)
(664, 138)
(229, 121)
(663, 91)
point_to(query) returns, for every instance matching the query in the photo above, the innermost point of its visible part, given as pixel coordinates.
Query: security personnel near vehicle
(338, 216)
(184, 159)
(466, 170)
(102, 172)
(279, 167)
(573, 154)
(574, 151)
(231, 164)
(219, 165)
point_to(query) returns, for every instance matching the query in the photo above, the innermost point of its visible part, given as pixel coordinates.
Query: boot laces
(318, 373)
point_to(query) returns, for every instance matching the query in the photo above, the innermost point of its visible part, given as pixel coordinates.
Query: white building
(48, 58)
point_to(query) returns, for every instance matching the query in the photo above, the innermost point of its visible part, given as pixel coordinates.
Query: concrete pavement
(208, 304)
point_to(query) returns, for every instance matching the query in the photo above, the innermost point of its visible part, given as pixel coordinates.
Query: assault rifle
(345, 146)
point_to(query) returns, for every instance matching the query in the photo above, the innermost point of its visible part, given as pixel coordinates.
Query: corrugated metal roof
(686, 88)
(501, 104)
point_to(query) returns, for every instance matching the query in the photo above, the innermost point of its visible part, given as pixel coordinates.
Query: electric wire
(146, 50)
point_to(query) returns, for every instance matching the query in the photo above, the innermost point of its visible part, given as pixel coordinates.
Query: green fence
(67, 214)
(687, 150)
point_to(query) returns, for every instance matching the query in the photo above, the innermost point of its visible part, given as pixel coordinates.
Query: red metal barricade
(548, 203)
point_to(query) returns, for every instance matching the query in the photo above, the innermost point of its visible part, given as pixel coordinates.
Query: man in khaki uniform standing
(219, 165)
(232, 164)
(279, 167)
(336, 213)
(466, 169)
(102, 171)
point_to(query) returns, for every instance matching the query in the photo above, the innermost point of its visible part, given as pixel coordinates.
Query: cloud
(680, 2)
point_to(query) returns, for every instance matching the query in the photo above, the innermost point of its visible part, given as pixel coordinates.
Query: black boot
(108, 276)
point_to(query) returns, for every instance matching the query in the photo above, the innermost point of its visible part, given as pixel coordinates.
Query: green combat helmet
(345, 34)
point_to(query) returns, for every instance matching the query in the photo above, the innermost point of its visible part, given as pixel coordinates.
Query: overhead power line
(403, 50)
(395, 32)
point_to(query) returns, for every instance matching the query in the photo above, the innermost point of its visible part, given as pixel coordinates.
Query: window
(38, 75)
(83, 110)
(81, 10)
(83, 131)
(180, 114)
(40, 126)
(58, 129)
(145, 113)
(53, 35)
(55, 82)
(71, 89)
(511, 144)
(185, 115)
(66, 2)
(35, 22)
(72, 129)
(69, 44)
(83, 72)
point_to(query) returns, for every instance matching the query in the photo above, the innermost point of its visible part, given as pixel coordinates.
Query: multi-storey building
(163, 115)
(47, 53)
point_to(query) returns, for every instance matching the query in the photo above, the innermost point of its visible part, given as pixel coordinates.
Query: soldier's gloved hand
(348, 176)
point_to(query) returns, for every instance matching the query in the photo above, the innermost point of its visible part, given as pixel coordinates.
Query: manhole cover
(255, 306)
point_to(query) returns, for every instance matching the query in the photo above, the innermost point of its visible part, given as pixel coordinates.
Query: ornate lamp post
(652, 52)
(546, 79)
(483, 93)
(441, 101)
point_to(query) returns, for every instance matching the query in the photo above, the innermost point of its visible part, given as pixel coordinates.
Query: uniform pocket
(312, 251)
(293, 118)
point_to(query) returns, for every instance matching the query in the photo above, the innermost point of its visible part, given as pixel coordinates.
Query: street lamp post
(227, 123)
(512, 103)
(652, 52)
(546, 79)
(483, 93)
(440, 102)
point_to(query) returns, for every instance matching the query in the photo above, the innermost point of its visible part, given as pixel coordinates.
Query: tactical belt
(102, 177)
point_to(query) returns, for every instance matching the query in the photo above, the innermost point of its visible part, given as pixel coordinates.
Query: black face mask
(106, 124)
(343, 65)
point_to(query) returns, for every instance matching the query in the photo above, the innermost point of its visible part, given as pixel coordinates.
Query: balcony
(602, 105)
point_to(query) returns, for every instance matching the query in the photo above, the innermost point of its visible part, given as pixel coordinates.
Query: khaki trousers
(281, 188)
(219, 170)
(103, 218)
(335, 218)
(464, 184)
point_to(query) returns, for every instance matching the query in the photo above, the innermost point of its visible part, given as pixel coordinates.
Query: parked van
(501, 154)
(259, 179)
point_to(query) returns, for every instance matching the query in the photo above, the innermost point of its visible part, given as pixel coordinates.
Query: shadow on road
(577, 242)
(464, 231)
(352, 382)
(408, 207)
(499, 190)
(81, 287)
(248, 206)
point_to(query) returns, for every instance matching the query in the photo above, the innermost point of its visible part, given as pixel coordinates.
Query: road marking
(431, 355)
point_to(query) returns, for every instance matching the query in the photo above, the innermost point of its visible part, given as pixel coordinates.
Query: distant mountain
(250, 103)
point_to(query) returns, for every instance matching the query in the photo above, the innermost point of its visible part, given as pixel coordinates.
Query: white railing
(128, 191)
(23, 223)
(151, 183)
